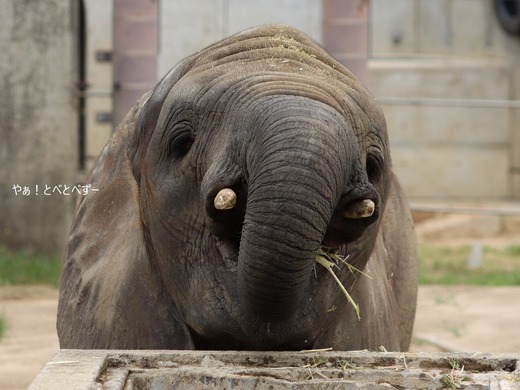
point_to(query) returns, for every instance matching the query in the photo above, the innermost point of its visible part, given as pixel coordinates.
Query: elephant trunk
(291, 198)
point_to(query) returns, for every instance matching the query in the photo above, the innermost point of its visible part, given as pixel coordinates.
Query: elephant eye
(374, 167)
(180, 145)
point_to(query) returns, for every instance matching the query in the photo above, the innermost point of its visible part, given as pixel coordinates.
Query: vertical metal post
(81, 83)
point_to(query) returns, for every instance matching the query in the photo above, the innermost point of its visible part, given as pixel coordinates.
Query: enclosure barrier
(102, 369)
(446, 102)
(504, 209)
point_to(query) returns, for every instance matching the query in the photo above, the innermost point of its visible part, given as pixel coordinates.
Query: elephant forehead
(266, 44)
(280, 60)
(213, 91)
(281, 67)
(266, 50)
(272, 60)
(251, 83)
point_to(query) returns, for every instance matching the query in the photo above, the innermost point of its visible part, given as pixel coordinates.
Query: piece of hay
(327, 259)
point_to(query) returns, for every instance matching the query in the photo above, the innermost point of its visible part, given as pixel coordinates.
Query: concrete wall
(38, 121)
(443, 151)
(450, 51)
(135, 52)
(345, 34)
(411, 28)
(99, 21)
(188, 26)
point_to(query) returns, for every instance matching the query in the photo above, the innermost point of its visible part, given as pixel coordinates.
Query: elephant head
(215, 196)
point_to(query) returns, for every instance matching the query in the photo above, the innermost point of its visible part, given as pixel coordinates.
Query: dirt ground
(459, 318)
(30, 339)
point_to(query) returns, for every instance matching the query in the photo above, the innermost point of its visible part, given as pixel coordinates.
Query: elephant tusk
(226, 199)
(362, 209)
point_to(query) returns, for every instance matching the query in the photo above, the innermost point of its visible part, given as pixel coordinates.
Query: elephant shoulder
(110, 293)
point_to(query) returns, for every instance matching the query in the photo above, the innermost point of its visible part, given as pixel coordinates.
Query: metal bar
(503, 210)
(94, 93)
(447, 102)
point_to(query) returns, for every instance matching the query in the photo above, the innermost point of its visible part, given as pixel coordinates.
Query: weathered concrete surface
(38, 122)
(425, 27)
(440, 151)
(448, 50)
(91, 369)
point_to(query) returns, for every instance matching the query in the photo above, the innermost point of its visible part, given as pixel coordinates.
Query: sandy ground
(467, 319)
(484, 319)
(30, 339)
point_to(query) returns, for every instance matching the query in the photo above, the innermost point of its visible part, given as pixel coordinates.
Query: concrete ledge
(100, 369)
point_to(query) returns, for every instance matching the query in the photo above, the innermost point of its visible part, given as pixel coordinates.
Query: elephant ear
(111, 295)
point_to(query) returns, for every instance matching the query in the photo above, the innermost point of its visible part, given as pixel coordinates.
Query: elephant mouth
(340, 232)
(228, 250)
(350, 219)
(226, 220)
(295, 331)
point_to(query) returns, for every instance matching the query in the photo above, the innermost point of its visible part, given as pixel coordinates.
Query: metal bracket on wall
(447, 102)
(103, 117)
(103, 56)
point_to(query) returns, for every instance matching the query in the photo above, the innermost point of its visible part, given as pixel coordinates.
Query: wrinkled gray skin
(151, 263)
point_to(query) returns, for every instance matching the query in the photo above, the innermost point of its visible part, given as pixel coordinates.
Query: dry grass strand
(330, 260)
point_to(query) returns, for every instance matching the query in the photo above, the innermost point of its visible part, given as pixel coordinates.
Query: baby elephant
(220, 190)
